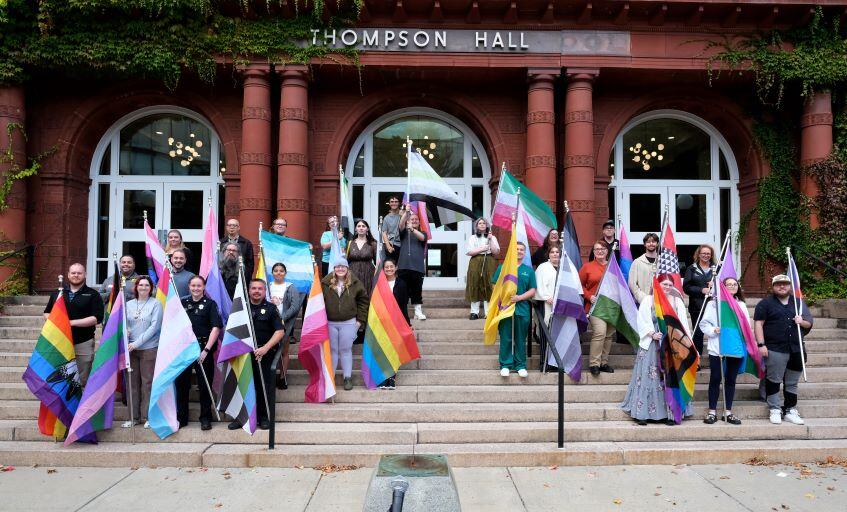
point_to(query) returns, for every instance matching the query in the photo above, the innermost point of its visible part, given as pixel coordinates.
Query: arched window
(376, 169)
(672, 161)
(164, 161)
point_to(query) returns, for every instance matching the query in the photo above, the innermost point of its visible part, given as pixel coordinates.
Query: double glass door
(181, 206)
(691, 213)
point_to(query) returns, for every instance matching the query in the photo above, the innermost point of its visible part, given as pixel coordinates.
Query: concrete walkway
(806, 487)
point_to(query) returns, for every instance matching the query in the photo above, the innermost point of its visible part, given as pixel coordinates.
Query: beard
(229, 266)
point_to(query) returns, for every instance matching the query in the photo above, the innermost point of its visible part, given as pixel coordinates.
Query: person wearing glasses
(245, 246)
(602, 333)
(279, 227)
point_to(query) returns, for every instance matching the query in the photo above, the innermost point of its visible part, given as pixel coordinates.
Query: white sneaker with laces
(522, 373)
(776, 416)
(419, 314)
(792, 416)
(504, 372)
(146, 424)
(126, 424)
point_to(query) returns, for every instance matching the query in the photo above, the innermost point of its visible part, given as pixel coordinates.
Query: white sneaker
(126, 424)
(522, 373)
(504, 372)
(792, 416)
(776, 416)
(146, 424)
(419, 314)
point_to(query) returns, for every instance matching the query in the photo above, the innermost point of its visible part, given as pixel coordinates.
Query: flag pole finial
(503, 166)
(566, 207)
(261, 225)
(340, 168)
(210, 201)
(145, 215)
(61, 282)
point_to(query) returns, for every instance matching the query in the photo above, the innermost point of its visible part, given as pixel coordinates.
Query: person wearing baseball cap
(780, 343)
(608, 236)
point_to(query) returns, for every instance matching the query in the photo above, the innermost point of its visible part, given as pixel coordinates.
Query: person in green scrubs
(513, 352)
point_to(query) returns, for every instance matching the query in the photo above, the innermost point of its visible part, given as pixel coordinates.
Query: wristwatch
(761, 345)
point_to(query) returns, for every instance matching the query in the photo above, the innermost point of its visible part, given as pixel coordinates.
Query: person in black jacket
(401, 295)
(697, 284)
(245, 246)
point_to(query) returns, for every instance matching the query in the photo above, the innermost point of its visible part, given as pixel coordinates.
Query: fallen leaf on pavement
(617, 501)
(724, 477)
(809, 495)
(333, 468)
(554, 467)
(546, 485)
(51, 471)
(830, 488)
(6, 469)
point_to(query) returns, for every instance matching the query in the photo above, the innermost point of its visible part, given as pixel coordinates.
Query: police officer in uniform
(206, 324)
(269, 333)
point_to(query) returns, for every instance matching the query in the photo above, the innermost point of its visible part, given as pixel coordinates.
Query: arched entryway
(164, 160)
(376, 169)
(675, 160)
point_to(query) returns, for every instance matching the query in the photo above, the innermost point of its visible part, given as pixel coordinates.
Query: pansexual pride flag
(626, 253)
(678, 358)
(505, 287)
(178, 349)
(389, 340)
(158, 262)
(314, 352)
(52, 374)
(97, 407)
(736, 336)
(538, 217)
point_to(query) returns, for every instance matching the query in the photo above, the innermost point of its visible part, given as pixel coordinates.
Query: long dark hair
(546, 245)
(739, 295)
(368, 236)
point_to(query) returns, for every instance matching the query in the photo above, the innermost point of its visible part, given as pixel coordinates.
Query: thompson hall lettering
(565, 42)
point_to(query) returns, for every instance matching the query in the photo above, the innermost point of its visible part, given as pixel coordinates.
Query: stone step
(543, 393)
(26, 300)
(23, 310)
(500, 412)
(535, 454)
(463, 323)
(451, 433)
(29, 453)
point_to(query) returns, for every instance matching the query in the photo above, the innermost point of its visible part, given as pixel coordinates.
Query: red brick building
(606, 105)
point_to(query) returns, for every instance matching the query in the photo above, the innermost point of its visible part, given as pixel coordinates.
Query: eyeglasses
(731, 285)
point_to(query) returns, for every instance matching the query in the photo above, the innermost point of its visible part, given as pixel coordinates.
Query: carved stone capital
(290, 205)
(255, 159)
(261, 113)
(293, 114)
(579, 116)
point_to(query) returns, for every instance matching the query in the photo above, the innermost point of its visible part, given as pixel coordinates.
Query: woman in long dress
(482, 247)
(361, 254)
(645, 396)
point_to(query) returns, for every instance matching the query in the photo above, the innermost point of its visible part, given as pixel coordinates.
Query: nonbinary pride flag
(506, 286)
(178, 349)
(678, 358)
(314, 350)
(538, 217)
(389, 340)
(97, 406)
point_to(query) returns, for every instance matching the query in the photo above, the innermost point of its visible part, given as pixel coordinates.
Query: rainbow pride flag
(157, 261)
(505, 287)
(626, 253)
(52, 373)
(314, 352)
(736, 337)
(389, 340)
(678, 358)
(97, 406)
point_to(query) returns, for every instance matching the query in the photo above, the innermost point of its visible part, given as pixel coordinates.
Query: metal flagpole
(555, 295)
(715, 286)
(199, 364)
(272, 413)
(514, 233)
(252, 331)
(128, 385)
(714, 274)
(797, 310)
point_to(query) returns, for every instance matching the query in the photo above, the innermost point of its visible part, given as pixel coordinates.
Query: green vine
(159, 39)
(15, 171)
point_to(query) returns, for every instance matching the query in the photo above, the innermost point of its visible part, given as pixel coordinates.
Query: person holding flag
(412, 259)
(143, 324)
(269, 332)
(483, 248)
(781, 319)
(645, 396)
(726, 356)
(326, 241)
(602, 332)
(513, 329)
(346, 311)
(697, 284)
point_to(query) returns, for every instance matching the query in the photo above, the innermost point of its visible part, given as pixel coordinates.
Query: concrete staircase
(451, 401)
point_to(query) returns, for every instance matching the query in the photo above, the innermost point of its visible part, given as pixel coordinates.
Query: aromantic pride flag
(736, 338)
(97, 406)
(568, 320)
(626, 253)
(314, 352)
(538, 218)
(505, 287)
(668, 261)
(615, 304)
(426, 185)
(238, 396)
(51, 374)
(678, 358)
(157, 260)
(389, 340)
(178, 349)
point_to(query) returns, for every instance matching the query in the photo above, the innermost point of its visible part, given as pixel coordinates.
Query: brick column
(579, 154)
(292, 193)
(13, 219)
(541, 135)
(255, 204)
(815, 140)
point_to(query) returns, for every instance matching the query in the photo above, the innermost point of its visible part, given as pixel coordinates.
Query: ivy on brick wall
(159, 39)
(788, 65)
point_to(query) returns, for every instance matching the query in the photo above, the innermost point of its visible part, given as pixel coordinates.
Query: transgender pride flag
(314, 352)
(97, 406)
(178, 349)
